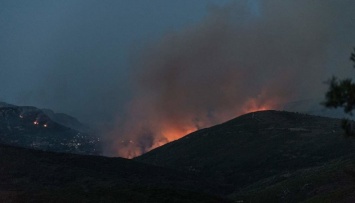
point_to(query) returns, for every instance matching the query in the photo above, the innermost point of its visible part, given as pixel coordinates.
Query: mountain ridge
(30, 127)
(267, 156)
(255, 147)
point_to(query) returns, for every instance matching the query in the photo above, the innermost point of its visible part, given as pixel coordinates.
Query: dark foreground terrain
(267, 156)
(27, 175)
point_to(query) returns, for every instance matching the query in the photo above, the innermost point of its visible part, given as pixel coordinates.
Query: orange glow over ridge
(167, 131)
(172, 134)
(253, 105)
(177, 132)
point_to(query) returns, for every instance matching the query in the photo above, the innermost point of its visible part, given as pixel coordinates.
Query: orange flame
(253, 105)
(168, 132)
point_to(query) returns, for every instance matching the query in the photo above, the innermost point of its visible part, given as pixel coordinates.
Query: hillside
(31, 127)
(260, 150)
(28, 175)
(267, 156)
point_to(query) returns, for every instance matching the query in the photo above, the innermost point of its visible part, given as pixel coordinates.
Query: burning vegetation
(233, 62)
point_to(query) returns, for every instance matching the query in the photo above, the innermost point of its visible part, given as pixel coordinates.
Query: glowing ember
(253, 105)
(176, 133)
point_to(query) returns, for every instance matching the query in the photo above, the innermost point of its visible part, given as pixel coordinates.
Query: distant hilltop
(30, 127)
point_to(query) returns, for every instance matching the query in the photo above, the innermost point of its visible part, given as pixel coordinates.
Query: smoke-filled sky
(158, 69)
(73, 55)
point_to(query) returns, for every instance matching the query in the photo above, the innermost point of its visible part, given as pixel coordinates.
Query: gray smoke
(240, 58)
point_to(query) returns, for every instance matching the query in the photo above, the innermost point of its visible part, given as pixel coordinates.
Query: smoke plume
(240, 58)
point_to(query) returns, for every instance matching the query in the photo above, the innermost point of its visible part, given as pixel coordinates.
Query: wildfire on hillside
(227, 65)
(161, 132)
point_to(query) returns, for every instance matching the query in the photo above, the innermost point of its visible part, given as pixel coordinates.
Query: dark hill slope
(256, 146)
(333, 181)
(35, 176)
(31, 127)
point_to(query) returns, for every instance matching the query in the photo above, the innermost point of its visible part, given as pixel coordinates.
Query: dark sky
(73, 55)
(76, 56)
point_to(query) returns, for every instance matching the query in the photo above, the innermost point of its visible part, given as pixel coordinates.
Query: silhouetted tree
(341, 93)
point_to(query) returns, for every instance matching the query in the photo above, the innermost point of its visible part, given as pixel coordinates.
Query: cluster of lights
(37, 123)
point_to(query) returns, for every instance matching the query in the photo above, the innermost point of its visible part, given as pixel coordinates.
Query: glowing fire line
(171, 132)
